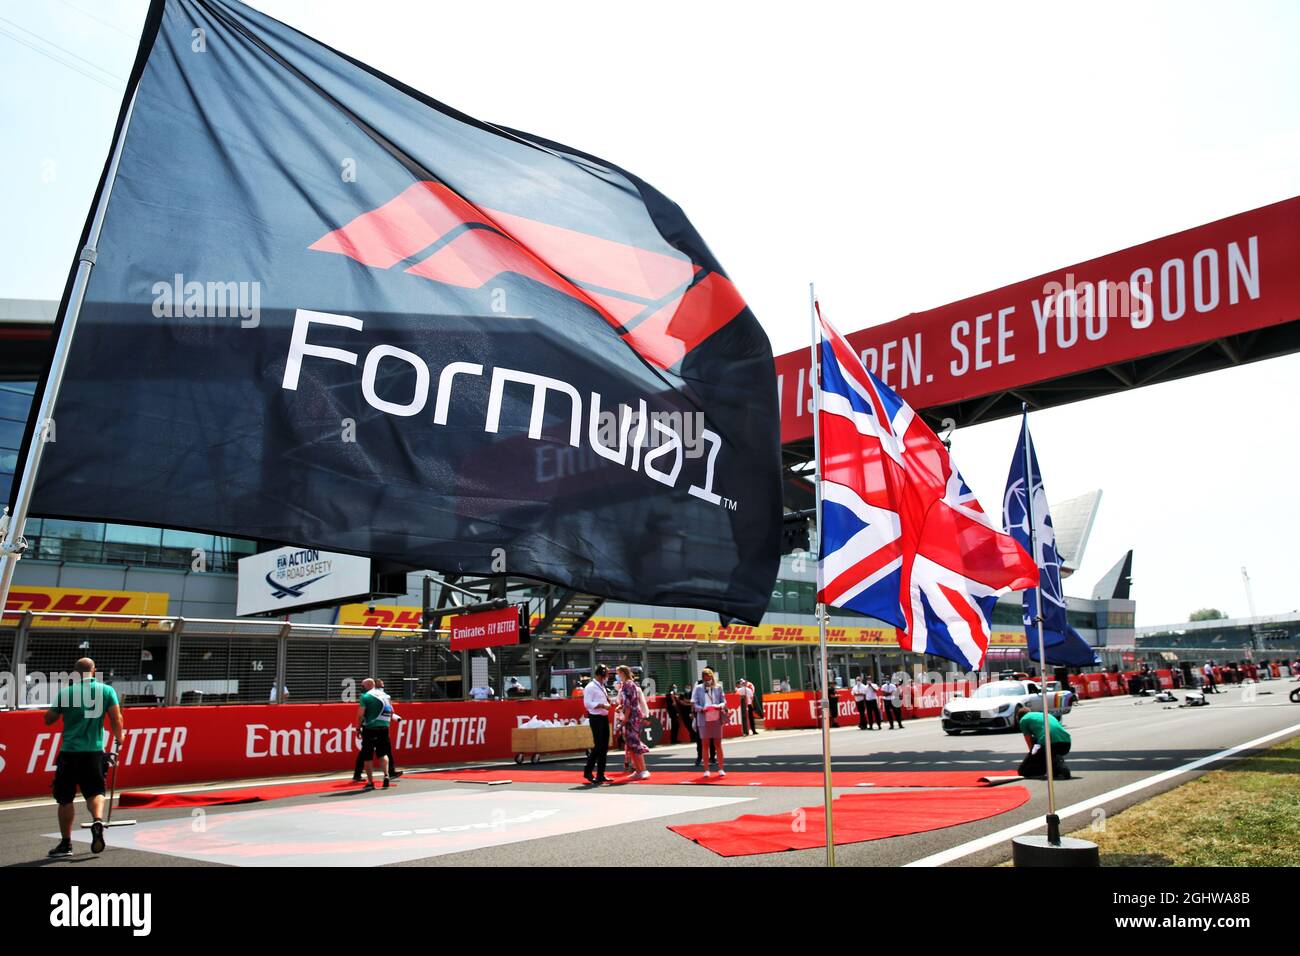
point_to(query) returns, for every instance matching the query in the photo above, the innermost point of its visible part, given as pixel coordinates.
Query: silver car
(999, 704)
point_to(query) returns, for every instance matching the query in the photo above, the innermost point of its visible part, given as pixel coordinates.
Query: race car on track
(998, 705)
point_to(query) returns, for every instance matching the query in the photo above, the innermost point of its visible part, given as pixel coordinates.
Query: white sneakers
(708, 774)
(643, 775)
(722, 773)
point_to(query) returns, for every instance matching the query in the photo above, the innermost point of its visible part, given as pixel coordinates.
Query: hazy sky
(901, 157)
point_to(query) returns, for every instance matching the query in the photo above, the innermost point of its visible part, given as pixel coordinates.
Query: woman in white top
(709, 701)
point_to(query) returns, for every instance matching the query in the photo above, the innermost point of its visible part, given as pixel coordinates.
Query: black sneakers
(97, 837)
(368, 787)
(385, 783)
(63, 849)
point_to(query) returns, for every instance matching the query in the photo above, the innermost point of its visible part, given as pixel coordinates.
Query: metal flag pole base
(1066, 851)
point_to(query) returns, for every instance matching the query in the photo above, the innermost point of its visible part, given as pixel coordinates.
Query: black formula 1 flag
(330, 311)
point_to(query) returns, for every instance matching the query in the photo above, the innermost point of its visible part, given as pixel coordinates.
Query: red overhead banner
(485, 629)
(1220, 279)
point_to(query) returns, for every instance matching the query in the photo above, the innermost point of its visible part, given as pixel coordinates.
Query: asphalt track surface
(1117, 742)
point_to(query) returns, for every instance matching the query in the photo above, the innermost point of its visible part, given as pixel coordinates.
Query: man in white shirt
(481, 693)
(860, 701)
(893, 703)
(872, 699)
(596, 701)
(785, 685)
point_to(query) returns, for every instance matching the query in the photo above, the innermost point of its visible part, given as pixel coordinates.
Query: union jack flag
(903, 539)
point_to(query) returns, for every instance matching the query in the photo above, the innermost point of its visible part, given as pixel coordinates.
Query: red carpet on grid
(857, 817)
(277, 791)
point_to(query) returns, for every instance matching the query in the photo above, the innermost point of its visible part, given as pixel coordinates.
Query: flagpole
(1053, 821)
(12, 543)
(814, 377)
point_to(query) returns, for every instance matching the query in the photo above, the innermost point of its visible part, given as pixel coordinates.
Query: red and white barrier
(172, 745)
(175, 745)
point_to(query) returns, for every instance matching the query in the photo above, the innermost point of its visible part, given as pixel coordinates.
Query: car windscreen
(1002, 688)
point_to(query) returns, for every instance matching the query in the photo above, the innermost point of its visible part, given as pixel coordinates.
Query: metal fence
(155, 661)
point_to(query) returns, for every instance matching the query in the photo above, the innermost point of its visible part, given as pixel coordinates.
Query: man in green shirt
(1035, 762)
(372, 722)
(82, 763)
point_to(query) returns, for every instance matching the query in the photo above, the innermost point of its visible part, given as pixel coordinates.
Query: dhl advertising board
(369, 617)
(24, 598)
(1007, 639)
(634, 628)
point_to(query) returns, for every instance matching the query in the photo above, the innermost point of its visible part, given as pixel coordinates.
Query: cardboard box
(546, 740)
(523, 741)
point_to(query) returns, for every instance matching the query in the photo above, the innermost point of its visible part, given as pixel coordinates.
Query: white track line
(1020, 829)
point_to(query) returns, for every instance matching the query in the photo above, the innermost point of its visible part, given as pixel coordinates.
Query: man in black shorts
(372, 722)
(82, 763)
(392, 715)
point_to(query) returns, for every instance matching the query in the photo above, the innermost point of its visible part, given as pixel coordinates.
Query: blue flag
(1062, 644)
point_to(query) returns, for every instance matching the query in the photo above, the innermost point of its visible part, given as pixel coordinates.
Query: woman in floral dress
(631, 701)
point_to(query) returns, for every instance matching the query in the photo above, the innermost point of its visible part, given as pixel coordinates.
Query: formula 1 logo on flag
(451, 340)
(435, 234)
